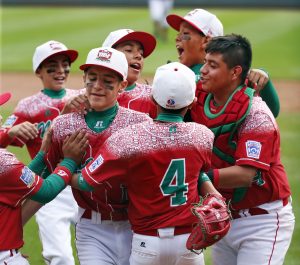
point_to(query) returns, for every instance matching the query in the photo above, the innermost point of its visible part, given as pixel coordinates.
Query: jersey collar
(54, 94)
(169, 117)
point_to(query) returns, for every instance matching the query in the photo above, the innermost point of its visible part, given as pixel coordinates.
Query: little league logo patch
(104, 55)
(10, 121)
(253, 149)
(97, 163)
(28, 177)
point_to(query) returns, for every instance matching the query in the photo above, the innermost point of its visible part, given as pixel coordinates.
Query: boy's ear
(123, 85)
(38, 72)
(236, 73)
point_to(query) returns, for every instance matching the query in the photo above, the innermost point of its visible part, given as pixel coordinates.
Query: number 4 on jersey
(173, 182)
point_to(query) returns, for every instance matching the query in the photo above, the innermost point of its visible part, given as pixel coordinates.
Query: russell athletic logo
(104, 55)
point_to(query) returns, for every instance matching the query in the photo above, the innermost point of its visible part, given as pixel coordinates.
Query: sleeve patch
(96, 163)
(28, 177)
(253, 149)
(10, 121)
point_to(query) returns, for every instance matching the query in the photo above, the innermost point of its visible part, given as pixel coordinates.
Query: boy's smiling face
(54, 72)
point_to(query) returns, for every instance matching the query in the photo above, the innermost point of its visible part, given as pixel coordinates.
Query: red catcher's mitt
(213, 222)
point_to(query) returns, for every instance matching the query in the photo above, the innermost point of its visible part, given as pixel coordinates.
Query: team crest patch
(10, 121)
(104, 55)
(253, 149)
(96, 163)
(28, 177)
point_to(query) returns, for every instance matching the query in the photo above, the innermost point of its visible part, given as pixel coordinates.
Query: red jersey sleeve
(11, 121)
(18, 183)
(105, 165)
(257, 142)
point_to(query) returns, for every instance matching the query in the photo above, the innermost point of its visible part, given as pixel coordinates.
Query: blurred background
(272, 26)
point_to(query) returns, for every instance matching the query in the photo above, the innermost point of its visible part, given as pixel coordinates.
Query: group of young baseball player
(124, 162)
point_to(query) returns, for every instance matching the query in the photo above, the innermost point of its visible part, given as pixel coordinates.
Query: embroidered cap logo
(171, 103)
(55, 46)
(104, 55)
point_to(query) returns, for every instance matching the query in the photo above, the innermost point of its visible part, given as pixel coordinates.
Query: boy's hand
(74, 146)
(79, 104)
(25, 130)
(47, 140)
(257, 79)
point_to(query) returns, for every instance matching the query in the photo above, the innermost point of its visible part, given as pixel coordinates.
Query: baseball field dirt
(25, 84)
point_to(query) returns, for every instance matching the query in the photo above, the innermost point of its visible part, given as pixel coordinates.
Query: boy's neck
(54, 93)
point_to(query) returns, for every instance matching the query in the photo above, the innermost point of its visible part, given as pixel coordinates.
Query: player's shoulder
(133, 115)
(68, 123)
(74, 92)
(30, 99)
(200, 131)
(259, 116)
(8, 161)
(147, 88)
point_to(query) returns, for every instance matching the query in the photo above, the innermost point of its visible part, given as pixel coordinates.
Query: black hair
(174, 111)
(235, 49)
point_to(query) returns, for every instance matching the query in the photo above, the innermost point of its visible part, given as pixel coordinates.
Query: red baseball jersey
(257, 142)
(258, 145)
(139, 99)
(159, 163)
(104, 200)
(17, 183)
(40, 109)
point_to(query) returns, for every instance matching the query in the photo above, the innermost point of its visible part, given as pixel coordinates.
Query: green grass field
(274, 34)
(275, 37)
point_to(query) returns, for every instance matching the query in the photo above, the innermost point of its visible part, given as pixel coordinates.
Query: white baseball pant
(54, 220)
(12, 257)
(103, 242)
(166, 249)
(259, 239)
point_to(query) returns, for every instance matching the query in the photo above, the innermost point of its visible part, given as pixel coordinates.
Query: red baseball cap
(4, 97)
(147, 40)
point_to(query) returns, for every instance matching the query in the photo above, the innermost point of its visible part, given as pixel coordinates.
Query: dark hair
(236, 50)
(174, 111)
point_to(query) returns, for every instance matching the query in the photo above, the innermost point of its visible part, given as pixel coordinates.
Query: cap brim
(174, 21)
(147, 40)
(4, 97)
(85, 66)
(72, 54)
